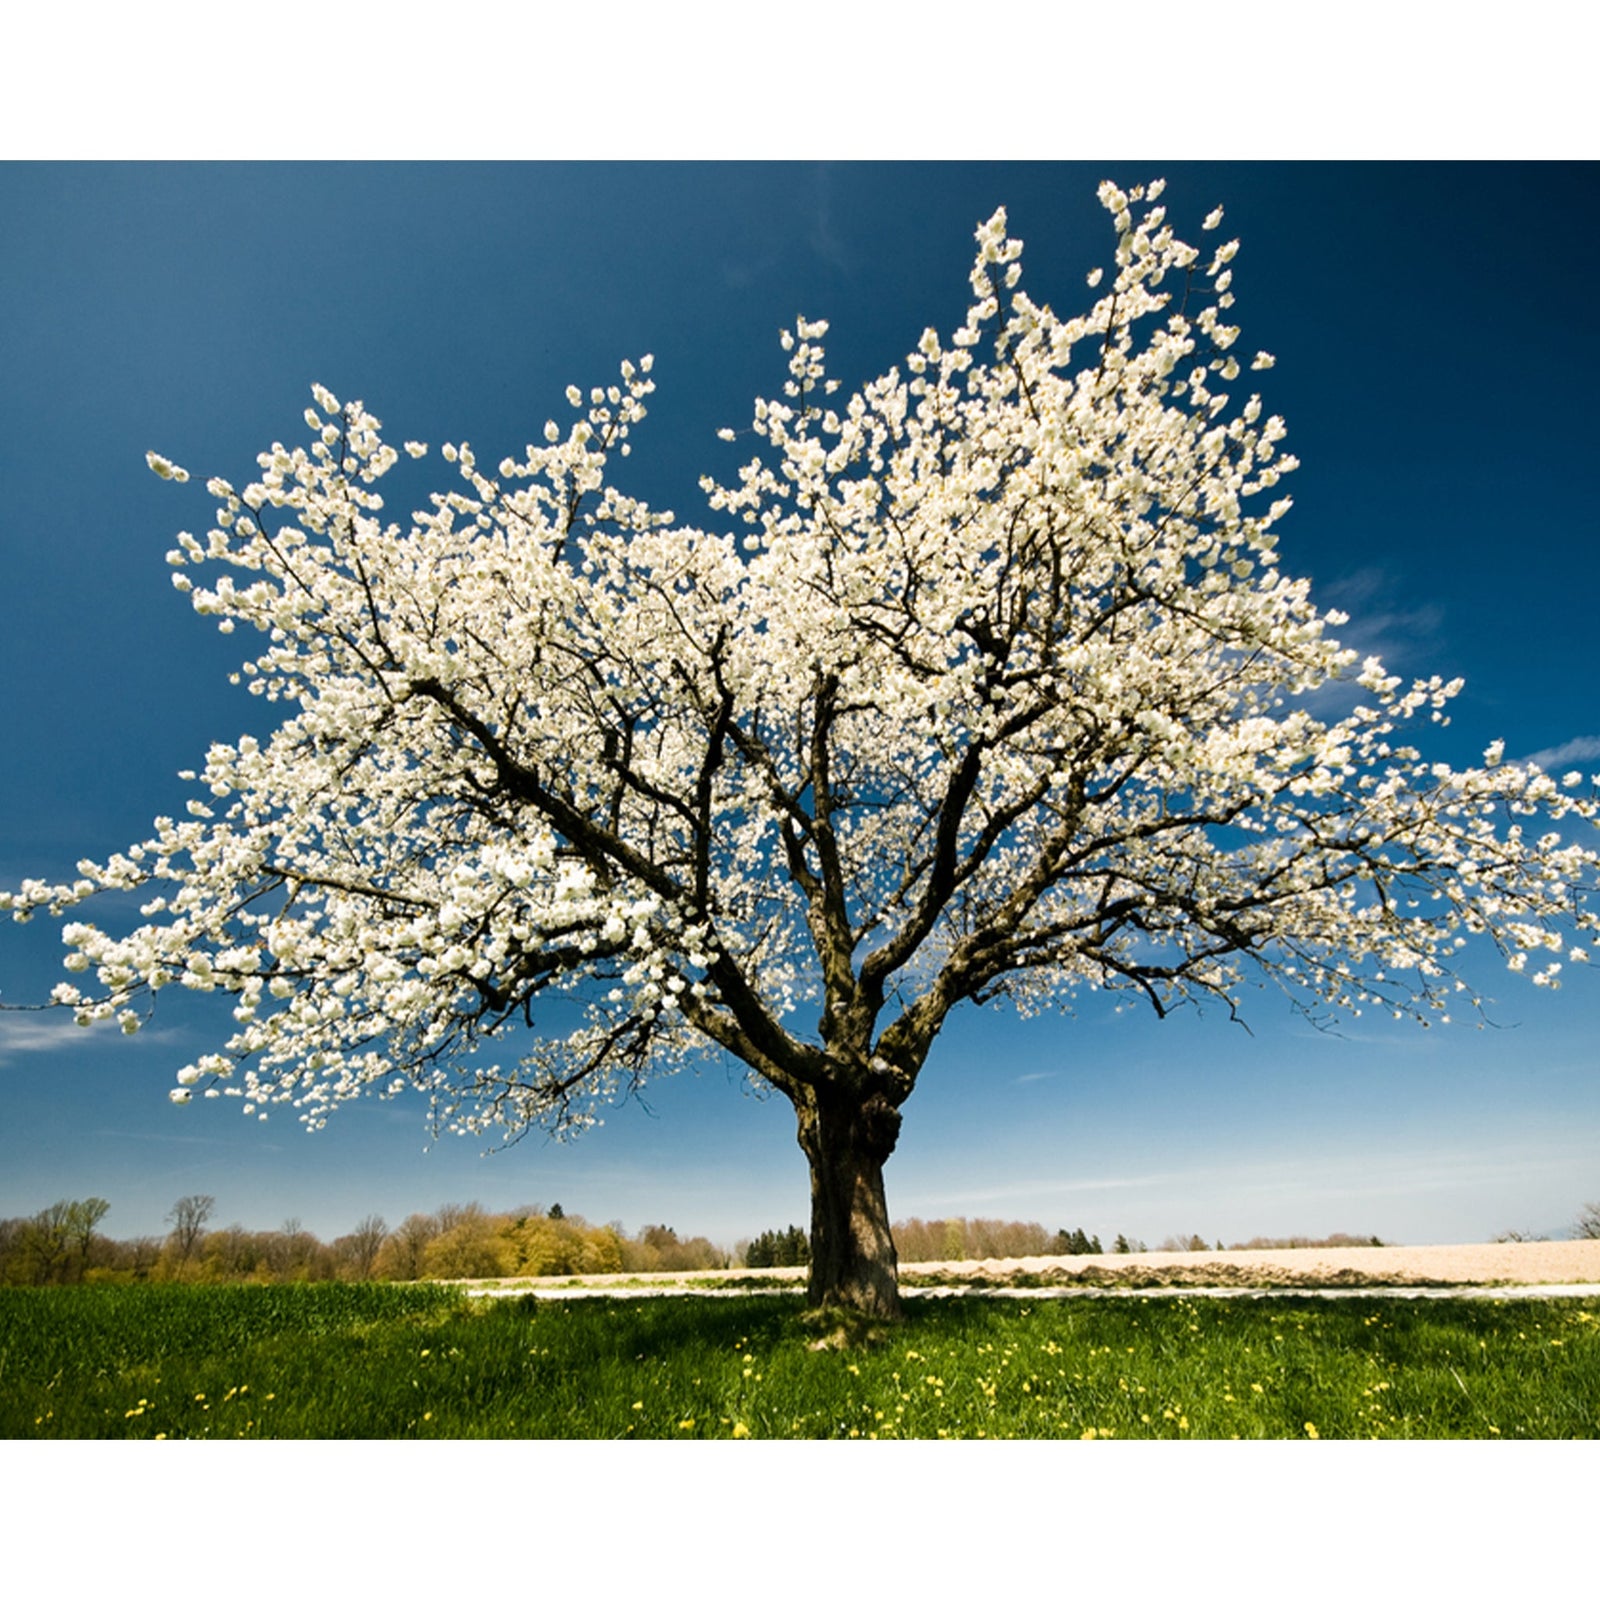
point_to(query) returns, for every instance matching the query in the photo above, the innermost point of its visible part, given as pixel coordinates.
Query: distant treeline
(1298, 1241)
(790, 1248)
(64, 1244)
(947, 1239)
(984, 1239)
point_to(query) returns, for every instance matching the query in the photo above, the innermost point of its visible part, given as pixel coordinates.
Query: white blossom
(979, 682)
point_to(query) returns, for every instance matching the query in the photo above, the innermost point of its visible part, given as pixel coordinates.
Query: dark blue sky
(1436, 335)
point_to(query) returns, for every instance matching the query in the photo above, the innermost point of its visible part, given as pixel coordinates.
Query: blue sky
(1436, 340)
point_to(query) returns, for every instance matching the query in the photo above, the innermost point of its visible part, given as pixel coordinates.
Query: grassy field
(417, 1361)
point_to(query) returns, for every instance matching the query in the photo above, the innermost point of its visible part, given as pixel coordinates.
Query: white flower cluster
(992, 685)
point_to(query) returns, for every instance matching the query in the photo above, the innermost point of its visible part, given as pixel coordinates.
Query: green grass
(381, 1361)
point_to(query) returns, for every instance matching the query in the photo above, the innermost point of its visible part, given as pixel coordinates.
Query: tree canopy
(983, 683)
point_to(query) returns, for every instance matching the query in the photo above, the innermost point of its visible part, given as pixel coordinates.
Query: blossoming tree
(994, 690)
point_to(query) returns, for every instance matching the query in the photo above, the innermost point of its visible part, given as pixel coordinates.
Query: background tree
(359, 1248)
(83, 1217)
(545, 1246)
(402, 1254)
(299, 1256)
(11, 1249)
(956, 1244)
(139, 1257)
(188, 1219)
(45, 1244)
(976, 1238)
(998, 694)
(1588, 1224)
(468, 1245)
(1077, 1243)
(235, 1253)
(787, 1247)
(602, 1250)
(657, 1248)
(555, 1244)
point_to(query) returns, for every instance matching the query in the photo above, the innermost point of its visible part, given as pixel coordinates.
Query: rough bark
(846, 1141)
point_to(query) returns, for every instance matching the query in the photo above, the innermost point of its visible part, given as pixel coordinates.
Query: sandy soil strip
(1543, 1262)
(1439, 1266)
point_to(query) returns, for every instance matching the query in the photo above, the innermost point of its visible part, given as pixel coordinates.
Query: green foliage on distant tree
(59, 1244)
(1077, 1243)
(788, 1248)
(1301, 1241)
(985, 1239)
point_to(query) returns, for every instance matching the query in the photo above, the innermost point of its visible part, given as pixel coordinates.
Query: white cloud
(41, 1033)
(37, 1035)
(1380, 624)
(1584, 748)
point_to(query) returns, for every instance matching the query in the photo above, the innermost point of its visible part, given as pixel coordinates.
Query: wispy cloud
(825, 239)
(49, 1033)
(21, 1036)
(1379, 625)
(1035, 1077)
(1584, 748)
(144, 1136)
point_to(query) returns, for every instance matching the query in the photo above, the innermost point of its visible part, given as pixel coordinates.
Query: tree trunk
(853, 1264)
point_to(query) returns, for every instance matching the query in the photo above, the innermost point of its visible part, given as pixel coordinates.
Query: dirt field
(1566, 1261)
(1435, 1265)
